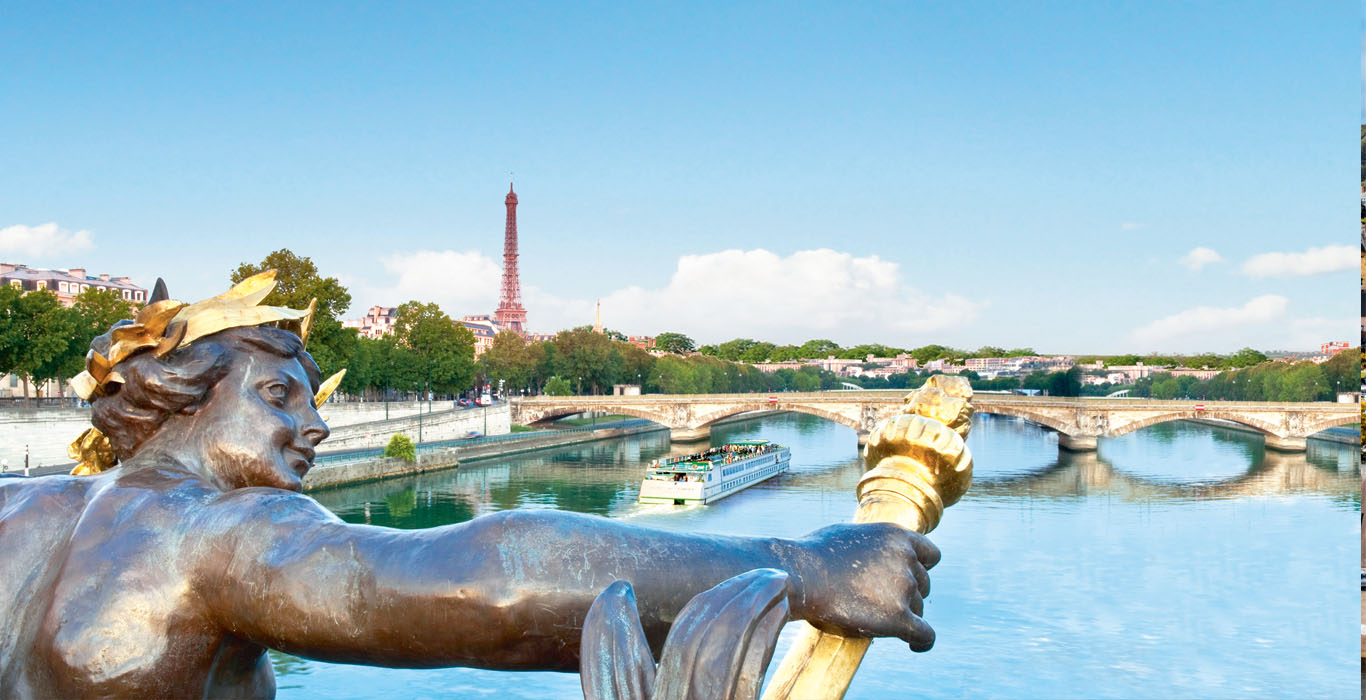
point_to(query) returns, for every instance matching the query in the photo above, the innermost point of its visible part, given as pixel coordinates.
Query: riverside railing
(334, 458)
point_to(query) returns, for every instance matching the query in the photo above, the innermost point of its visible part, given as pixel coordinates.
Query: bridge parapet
(1079, 422)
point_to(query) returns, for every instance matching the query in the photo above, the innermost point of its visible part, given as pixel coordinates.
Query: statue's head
(215, 382)
(246, 392)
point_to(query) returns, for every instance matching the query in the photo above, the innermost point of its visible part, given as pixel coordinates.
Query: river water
(1178, 561)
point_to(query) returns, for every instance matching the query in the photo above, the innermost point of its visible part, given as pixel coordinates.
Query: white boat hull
(729, 479)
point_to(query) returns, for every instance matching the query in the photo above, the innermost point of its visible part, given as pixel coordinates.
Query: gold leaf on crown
(170, 324)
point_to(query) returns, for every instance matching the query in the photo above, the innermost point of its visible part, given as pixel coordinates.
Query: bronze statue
(170, 574)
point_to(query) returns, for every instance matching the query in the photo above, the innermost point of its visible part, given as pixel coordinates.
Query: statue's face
(260, 424)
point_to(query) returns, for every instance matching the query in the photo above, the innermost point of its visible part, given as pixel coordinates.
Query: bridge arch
(710, 418)
(1040, 419)
(556, 412)
(1260, 426)
(1330, 422)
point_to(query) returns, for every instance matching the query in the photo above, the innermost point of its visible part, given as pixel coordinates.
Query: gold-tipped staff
(918, 466)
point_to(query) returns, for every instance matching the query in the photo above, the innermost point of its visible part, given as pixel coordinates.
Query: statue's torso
(100, 595)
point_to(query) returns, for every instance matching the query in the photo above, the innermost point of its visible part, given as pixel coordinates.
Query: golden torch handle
(920, 465)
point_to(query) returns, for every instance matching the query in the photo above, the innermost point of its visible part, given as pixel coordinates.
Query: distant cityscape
(511, 316)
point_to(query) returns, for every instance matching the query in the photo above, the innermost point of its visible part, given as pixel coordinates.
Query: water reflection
(1177, 561)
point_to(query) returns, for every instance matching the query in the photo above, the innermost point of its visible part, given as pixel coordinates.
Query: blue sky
(963, 173)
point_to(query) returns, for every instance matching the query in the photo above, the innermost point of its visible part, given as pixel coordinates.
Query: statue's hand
(867, 580)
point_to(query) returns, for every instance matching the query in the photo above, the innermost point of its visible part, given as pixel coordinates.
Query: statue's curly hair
(154, 389)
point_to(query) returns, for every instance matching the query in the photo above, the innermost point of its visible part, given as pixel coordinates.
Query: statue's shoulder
(262, 508)
(42, 496)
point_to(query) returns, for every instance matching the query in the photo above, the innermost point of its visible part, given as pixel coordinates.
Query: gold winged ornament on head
(168, 324)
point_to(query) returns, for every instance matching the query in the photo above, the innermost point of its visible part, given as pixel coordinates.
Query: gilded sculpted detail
(167, 324)
(918, 465)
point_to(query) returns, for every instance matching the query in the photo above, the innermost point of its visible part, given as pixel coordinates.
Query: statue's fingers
(922, 578)
(925, 551)
(916, 603)
(919, 635)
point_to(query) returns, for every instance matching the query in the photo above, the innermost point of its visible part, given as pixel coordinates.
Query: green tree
(557, 387)
(401, 446)
(1165, 386)
(929, 353)
(297, 282)
(1340, 371)
(363, 374)
(590, 360)
(1065, 383)
(636, 365)
(758, 352)
(819, 348)
(546, 360)
(41, 329)
(859, 352)
(673, 375)
(510, 360)
(93, 312)
(443, 348)
(733, 349)
(1247, 357)
(1303, 381)
(674, 342)
(11, 341)
(804, 380)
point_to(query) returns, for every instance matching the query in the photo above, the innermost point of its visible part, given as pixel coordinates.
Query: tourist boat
(707, 477)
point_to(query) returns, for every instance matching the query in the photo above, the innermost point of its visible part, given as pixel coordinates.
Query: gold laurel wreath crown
(167, 324)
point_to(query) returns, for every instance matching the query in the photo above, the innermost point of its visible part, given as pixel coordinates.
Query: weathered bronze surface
(718, 647)
(170, 574)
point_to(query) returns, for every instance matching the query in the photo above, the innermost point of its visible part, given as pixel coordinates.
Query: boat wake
(639, 510)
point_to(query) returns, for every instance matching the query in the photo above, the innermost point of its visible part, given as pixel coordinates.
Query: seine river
(1179, 561)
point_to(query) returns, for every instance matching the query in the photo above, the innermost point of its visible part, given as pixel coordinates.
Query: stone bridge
(1078, 421)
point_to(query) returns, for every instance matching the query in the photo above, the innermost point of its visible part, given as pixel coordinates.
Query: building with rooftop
(68, 284)
(378, 322)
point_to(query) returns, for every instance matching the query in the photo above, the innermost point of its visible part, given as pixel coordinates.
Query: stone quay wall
(47, 431)
(451, 424)
(329, 474)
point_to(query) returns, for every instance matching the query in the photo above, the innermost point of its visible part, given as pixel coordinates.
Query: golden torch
(917, 465)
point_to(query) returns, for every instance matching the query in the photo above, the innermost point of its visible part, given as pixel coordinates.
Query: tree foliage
(297, 282)
(401, 446)
(510, 360)
(558, 387)
(443, 349)
(1268, 381)
(674, 342)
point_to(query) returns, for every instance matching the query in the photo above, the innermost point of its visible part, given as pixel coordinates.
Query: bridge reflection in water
(1179, 560)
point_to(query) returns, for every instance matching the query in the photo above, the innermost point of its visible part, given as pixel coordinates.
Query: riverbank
(42, 434)
(357, 467)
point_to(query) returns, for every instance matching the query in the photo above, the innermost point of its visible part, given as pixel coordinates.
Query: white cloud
(1261, 323)
(1315, 261)
(1130, 226)
(1200, 257)
(460, 282)
(43, 240)
(712, 297)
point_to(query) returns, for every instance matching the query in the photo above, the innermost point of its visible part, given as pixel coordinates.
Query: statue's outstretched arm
(510, 590)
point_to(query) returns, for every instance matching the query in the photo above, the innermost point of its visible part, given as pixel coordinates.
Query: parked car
(463, 402)
(473, 434)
